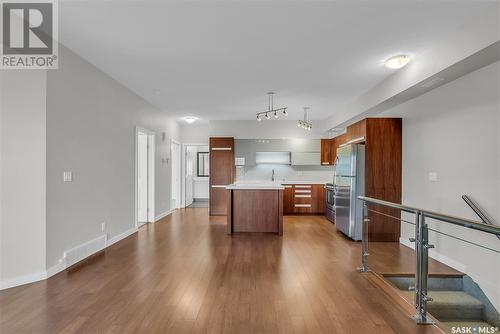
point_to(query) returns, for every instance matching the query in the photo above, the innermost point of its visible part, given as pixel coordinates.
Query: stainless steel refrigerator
(349, 183)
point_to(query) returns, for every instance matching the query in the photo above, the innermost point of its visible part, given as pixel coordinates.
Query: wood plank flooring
(183, 274)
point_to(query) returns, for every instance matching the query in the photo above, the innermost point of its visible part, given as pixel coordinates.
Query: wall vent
(82, 251)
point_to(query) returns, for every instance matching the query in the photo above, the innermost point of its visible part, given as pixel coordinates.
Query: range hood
(275, 158)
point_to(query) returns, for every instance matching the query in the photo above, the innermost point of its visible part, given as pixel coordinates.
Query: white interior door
(190, 170)
(176, 174)
(142, 178)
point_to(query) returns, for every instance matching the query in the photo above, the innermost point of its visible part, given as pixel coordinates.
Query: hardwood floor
(185, 275)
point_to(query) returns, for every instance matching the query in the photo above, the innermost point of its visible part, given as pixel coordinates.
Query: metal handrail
(477, 210)
(422, 246)
(464, 222)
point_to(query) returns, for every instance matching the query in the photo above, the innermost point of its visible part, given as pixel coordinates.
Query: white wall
(455, 131)
(195, 133)
(91, 122)
(22, 176)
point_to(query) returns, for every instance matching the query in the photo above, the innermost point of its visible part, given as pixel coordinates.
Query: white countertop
(254, 184)
(262, 185)
(303, 182)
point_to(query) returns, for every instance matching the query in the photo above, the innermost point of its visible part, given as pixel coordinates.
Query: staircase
(457, 302)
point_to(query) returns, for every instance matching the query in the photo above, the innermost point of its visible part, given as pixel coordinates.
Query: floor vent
(82, 251)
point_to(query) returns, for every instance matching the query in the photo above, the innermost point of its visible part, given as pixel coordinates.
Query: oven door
(330, 197)
(329, 203)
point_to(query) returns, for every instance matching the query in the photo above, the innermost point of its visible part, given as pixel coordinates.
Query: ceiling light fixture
(397, 62)
(270, 109)
(305, 124)
(190, 119)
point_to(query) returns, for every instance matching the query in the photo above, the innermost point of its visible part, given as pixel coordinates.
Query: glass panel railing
(447, 267)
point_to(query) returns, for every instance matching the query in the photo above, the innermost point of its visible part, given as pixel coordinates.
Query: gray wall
(91, 122)
(455, 131)
(22, 175)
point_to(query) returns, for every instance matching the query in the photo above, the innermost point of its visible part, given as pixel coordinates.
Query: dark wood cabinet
(327, 157)
(304, 199)
(318, 198)
(288, 200)
(222, 170)
(356, 130)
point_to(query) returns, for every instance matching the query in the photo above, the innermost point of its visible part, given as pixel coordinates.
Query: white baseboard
(163, 215)
(21, 280)
(60, 266)
(55, 269)
(437, 256)
(120, 236)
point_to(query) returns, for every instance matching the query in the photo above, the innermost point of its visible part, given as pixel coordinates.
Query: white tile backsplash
(284, 172)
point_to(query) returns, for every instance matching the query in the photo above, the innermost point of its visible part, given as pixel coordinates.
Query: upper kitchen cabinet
(326, 152)
(222, 170)
(300, 151)
(356, 130)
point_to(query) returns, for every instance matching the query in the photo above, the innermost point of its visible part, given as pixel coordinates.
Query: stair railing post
(364, 240)
(422, 269)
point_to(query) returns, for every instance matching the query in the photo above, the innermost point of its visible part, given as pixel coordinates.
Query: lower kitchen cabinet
(304, 199)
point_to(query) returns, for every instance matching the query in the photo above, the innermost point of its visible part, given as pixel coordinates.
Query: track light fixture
(305, 124)
(270, 109)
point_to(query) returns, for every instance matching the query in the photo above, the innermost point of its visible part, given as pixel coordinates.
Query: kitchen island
(255, 207)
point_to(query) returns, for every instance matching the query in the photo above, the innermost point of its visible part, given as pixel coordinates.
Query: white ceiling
(216, 60)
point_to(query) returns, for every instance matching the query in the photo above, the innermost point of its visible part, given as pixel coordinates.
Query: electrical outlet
(433, 176)
(68, 176)
(103, 226)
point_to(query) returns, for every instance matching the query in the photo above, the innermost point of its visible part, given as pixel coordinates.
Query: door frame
(183, 170)
(175, 142)
(151, 175)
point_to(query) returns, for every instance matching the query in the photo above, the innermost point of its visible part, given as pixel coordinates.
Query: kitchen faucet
(272, 176)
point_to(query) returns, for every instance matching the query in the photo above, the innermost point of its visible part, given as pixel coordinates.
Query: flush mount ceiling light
(190, 119)
(397, 62)
(305, 124)
(270, 109)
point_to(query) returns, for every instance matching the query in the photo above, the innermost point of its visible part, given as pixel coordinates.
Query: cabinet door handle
(221, 148)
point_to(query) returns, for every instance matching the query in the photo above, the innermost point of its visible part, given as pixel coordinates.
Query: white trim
(178, 202)
(60, 266)
(21, 280)
(120, 236)
(183, 170)
(163, 215)
(151, 166)
(55, 269)
(437, 256)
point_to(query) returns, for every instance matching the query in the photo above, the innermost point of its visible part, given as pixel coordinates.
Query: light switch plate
(433, 176)
(68, 176)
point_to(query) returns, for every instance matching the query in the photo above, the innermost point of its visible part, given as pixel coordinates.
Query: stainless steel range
(329, 202)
